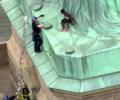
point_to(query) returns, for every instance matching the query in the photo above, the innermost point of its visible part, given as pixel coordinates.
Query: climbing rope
(20, 78)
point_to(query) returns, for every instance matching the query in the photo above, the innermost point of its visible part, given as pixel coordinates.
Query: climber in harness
(26, 92)
(36, 27)
(68, 19)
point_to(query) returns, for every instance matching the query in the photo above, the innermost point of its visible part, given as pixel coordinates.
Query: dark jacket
(35, 29)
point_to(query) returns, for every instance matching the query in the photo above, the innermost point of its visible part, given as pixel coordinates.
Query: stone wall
(14, 54)
(112, 93)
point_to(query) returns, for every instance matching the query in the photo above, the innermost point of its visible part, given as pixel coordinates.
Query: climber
(25, 92)
(68, 19)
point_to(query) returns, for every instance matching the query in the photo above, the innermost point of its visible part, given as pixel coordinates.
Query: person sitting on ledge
(36, 27)
(68, 19)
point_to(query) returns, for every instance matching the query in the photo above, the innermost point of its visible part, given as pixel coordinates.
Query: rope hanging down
(20, 78)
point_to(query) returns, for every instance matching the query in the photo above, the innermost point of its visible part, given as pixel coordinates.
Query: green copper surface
(94, 36)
